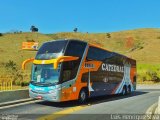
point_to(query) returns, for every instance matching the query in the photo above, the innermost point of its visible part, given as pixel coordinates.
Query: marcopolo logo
(112, 68)
(40, 89)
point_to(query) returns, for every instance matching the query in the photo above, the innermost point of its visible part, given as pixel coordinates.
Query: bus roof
(66, 40)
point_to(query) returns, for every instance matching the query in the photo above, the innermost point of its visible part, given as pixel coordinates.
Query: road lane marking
(151, 112)
(152, 108)
(16, 102)
(62, 113)
(24, 103)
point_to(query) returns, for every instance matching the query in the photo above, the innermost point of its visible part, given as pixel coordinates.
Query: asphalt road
(96, 108)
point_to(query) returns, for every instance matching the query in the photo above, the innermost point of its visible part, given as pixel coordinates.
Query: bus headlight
(52, 92)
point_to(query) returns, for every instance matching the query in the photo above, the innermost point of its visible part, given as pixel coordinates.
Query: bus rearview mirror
(25, 62)
(64, 59)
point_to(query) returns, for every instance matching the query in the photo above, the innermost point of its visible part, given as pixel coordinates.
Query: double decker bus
(70, 69)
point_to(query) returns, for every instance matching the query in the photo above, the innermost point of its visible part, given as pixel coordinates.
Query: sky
(52, 16)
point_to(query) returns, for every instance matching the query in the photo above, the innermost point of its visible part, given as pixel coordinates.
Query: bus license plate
(39, 97)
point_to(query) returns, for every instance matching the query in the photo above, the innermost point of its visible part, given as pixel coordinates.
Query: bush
(11, 65)
(144, 78)
(148, 74)
(108, 35)
(24, 83)
(152, 75)
(13, 70)
(17, 82)
(30, 40)
(137, 46)
(1, 34)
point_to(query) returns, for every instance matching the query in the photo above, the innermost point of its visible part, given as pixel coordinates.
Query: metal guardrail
(5, 86)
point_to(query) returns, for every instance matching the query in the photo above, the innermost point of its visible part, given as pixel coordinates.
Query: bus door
(89, 82)
(67, 85)
(68, 75)
(88, 66)
(67, 90)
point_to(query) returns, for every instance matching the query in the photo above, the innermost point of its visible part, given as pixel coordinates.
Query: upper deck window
(98, 54)
(51, 50)
(75, 48)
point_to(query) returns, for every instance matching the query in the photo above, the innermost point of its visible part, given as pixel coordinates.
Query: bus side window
(66, 75)
(69, 70)
(98, 54)
(115, 59)
(75, 48)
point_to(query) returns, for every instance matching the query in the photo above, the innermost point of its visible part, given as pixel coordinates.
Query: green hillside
(140, 44)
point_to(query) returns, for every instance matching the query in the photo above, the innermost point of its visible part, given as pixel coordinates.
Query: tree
(108, 35)
(34, 29)
(1, 34)
(75, 29)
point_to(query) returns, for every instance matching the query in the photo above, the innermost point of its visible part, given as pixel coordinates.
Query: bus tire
(124, 91)
(129, 89)
(83, 96)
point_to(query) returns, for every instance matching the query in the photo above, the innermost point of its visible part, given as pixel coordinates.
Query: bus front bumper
(53, 97)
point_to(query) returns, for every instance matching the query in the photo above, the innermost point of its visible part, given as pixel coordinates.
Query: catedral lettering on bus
(114, 68)
(64, 70)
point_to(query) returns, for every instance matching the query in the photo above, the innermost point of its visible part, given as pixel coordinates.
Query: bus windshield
(45, 74)
(51, 50)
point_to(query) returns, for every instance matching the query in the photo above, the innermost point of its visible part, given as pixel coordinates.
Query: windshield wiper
(43, 84)
(52, 83)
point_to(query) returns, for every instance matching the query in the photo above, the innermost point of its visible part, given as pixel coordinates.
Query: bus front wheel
(83, 95)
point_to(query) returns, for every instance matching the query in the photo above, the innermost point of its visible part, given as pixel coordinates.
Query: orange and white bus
(70, 69)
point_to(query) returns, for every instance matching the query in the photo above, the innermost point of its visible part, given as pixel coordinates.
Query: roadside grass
(16, 87)
(148, 73)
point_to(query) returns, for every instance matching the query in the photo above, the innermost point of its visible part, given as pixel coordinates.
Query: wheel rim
(83, 96)
(123, 92)
(129, 89)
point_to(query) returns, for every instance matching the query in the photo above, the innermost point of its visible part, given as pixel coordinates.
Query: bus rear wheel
(124, 91)
(83, 96)
(129, 89)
